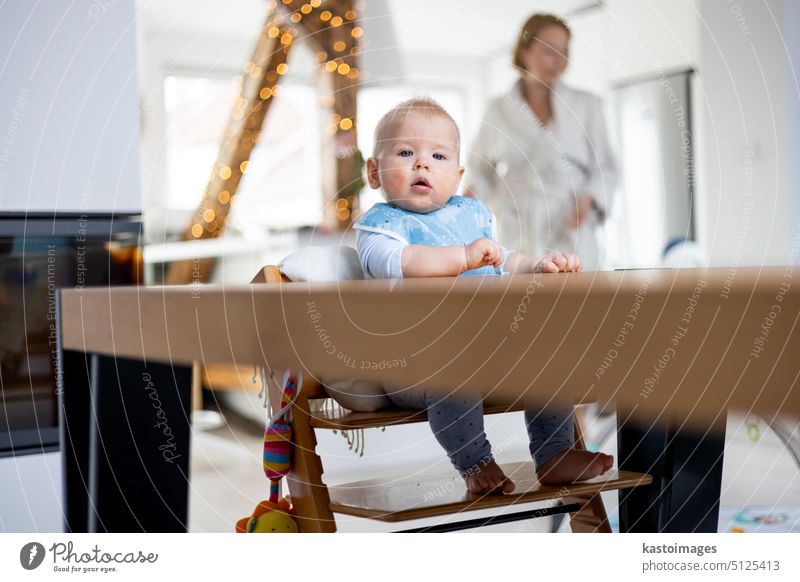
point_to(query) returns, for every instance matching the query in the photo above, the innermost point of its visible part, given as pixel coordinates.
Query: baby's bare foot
(488, 478)
(573, 465)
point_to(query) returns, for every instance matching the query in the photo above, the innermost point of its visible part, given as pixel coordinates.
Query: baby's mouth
(421, 185)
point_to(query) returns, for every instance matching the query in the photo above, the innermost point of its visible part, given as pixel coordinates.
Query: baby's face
(418, 165)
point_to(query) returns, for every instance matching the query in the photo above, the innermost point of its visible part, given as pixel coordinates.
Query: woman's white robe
(530, 175)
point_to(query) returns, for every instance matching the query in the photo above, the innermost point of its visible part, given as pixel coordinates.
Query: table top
(683, 344)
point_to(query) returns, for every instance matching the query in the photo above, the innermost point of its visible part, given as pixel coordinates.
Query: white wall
(791, 15)
(31, 493)
(751, 123)
(631, 38)
(68, 102)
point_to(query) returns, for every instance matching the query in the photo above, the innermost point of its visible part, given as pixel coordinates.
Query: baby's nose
(421, 163)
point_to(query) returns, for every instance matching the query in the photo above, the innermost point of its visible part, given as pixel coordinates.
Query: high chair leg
(592, 517)
(309, 493)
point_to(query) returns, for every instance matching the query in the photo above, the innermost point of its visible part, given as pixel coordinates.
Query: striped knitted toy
(275, 515)
(278, 438)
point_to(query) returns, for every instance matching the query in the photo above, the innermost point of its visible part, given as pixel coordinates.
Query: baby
(425, 230)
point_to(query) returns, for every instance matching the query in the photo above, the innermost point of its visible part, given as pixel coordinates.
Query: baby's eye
(439, 157)
(405, 153)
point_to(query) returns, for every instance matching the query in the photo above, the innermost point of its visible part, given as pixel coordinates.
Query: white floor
(227, 479)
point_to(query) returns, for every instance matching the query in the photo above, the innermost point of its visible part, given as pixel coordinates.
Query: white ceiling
(466, 26)
(460, 26)
(230, 18)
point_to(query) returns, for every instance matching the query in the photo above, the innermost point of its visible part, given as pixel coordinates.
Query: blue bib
(460, 221)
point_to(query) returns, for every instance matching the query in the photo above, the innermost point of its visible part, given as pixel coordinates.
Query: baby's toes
(508, 486)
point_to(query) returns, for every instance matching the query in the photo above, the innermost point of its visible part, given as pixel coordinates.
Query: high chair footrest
(387, 417)
(420, 496)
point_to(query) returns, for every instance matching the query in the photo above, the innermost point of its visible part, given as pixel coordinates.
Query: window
(283, 184)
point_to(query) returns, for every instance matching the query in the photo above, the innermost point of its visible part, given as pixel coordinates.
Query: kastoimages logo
(31, 555)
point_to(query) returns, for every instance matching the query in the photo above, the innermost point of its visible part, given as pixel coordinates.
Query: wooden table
(676, 348)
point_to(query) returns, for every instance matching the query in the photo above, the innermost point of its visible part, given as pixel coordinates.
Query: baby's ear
(373, 177)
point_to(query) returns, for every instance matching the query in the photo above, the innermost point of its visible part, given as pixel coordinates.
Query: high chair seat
(410, 497)
(341, 419)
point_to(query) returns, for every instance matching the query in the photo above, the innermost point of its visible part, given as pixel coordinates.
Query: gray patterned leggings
(457, 423)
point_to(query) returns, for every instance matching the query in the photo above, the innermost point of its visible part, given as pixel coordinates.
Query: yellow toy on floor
(269, 517)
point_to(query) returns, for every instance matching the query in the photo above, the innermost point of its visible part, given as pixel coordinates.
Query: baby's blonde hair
(424, 106)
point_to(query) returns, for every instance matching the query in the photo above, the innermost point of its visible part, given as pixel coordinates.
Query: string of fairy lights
(337, 59)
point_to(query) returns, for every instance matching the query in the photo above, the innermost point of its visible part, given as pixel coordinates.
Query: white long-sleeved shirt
(380, 255)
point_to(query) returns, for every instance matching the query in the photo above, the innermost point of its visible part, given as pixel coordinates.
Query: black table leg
(139, 468)
(687, 479)
(126, 428)
(74, 407)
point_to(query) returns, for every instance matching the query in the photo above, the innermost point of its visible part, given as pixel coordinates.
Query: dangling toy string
(260, 374)
(354, 437)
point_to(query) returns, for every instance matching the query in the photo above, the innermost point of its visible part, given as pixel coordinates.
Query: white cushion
(358, 395)
(326, 264)
(322, 264)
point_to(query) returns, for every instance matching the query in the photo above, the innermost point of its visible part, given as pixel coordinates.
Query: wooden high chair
(398, 499)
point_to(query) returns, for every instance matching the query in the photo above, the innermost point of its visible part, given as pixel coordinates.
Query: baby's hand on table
(558, 263)
(482, 252)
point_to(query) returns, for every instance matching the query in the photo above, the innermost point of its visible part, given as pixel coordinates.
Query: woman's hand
(558, 263)
(482, 252)
(579, 214)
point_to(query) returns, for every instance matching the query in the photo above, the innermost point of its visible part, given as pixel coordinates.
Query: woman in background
(542, 161)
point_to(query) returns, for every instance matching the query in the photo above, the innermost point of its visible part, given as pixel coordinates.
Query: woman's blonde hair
(530, 32)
